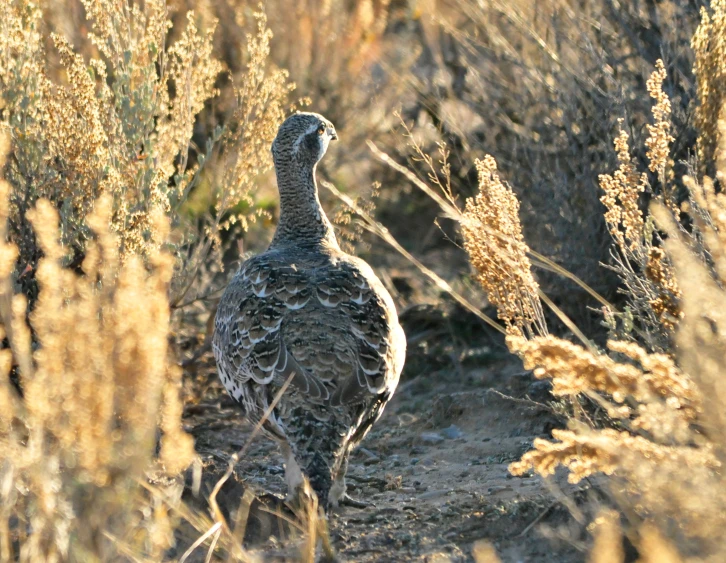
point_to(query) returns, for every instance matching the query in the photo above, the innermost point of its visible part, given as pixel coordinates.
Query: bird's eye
(321, 129)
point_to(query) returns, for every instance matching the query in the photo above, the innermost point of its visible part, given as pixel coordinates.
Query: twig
(565, 500)
(200, 540)
(219, 517)
(568, 322)
(240, 524)
(367, 480)
(452, 212)
(537, 520)
(376, 228)
(528, 402)
(212, 546)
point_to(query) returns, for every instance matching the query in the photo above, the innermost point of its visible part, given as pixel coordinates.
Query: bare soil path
(434, 469)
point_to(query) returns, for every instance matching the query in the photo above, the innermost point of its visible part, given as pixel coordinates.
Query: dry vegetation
(134, 143)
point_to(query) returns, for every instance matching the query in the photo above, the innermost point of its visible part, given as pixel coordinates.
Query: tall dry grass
(658, 432)
(138, 141)
(540, 86)
(77, 443)
(98, 249)
(663, 444)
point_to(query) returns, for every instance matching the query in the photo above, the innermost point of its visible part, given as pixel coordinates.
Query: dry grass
(662, 397)
(711, 81)
(96, 252)
(78, 443)
(493, 239)
(652, 292)
(664, 450)
(106, 126)
(137, 138)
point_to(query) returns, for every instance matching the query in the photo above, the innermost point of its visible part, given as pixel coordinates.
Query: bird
(309, 318)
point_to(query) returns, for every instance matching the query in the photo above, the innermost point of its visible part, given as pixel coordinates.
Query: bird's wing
(357, 361)
(248, 337)
(372, 324)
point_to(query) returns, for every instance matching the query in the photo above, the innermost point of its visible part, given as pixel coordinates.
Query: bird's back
(315, 312)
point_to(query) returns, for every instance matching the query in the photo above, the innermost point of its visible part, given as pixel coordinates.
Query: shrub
(96, 249)
(663, 444)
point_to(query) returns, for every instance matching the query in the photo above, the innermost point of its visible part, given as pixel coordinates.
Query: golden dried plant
(666, 418)
(622, 192)
(708, 206)
(575, 370)
(608, 538)
(709, 68)
(587, 452)
(484, 552)
(260, 95)
(654, 547)
(78, 444)
(111, 126)
(665, 452)
(97, 177)
(497, 250)
(261, 106)
(644, 269)
(659, 141)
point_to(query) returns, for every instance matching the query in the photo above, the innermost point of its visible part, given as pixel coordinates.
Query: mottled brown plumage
(306, 307)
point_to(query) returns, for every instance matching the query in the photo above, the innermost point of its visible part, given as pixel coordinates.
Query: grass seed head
(497, 250)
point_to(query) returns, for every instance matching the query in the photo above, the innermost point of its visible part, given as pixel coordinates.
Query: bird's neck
(302, 219)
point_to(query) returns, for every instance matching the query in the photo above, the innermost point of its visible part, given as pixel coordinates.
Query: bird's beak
(333, 135)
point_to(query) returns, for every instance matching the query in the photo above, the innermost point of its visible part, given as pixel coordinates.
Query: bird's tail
(320, 474)
(318, 447)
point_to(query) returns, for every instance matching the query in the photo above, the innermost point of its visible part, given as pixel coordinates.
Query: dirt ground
(434, 469)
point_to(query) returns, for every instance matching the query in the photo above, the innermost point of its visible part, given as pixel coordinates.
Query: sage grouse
(307, 310)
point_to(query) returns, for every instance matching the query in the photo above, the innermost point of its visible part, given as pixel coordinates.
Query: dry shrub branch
(493, 239)
(664, 451)
(710, 70)
(78, 443)
(122, 124)
(110, 127)
(647, 279)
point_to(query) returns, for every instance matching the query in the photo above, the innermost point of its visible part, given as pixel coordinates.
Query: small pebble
(452, 432)
(499, 488)
(431, 438)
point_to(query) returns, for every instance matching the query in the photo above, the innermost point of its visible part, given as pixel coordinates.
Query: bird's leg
(338, 495)
(337, 491)
(293, 475)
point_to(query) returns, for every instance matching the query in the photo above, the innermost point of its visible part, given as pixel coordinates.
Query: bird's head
(303, 137)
